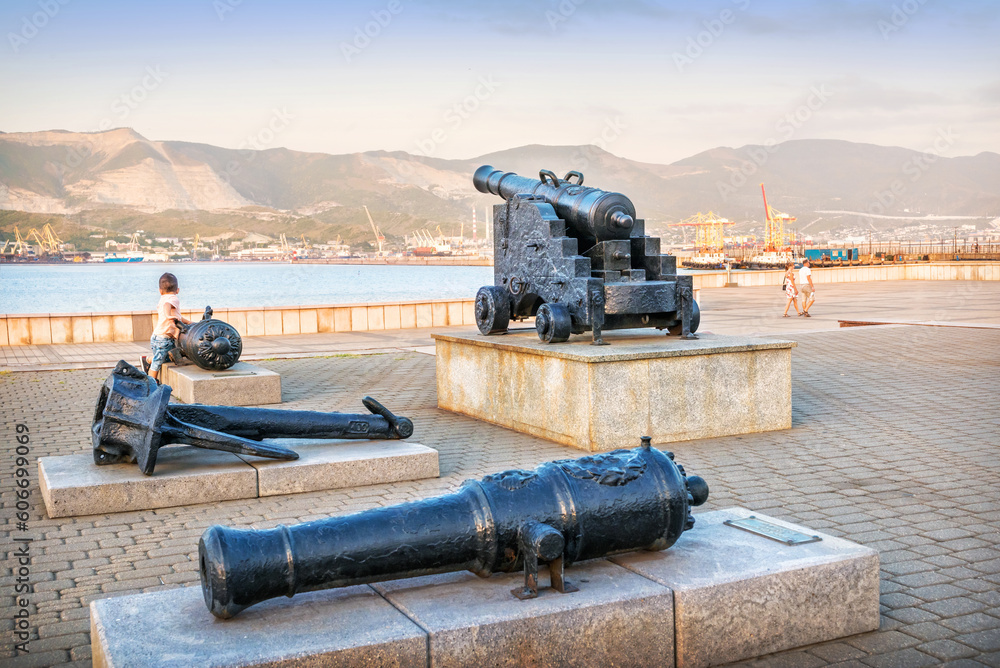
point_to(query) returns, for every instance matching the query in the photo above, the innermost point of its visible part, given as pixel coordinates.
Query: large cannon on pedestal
(562, 512)
(577, 259)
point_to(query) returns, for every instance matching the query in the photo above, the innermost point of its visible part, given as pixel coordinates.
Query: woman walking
(790, 291)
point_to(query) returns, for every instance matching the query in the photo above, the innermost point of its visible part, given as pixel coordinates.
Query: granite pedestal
(242, 384)
(738, 595)
(719, 594)
(73, 485)
(600, 398)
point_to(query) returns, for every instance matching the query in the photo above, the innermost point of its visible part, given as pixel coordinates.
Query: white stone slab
(339, 627)
(600, 398)
(616, 619)
(336, 464)
(738, 595)
(73, 485)
(242, 384)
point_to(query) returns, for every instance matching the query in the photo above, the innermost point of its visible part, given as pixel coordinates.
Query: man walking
(805, 285)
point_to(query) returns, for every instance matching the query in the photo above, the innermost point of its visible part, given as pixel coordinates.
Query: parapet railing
(124, 326)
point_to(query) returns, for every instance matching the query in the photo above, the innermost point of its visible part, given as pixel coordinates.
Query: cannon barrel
(562, 512)
(211, 344)
(593, 214)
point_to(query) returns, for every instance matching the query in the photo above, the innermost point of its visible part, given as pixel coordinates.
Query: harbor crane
(774, 225)
(379, 237)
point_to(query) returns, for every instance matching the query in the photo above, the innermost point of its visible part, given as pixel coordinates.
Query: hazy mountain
(120, 179)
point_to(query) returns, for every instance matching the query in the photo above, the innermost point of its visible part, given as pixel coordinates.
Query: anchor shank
(176, 431)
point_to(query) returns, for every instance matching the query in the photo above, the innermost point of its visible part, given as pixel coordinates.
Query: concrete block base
(738, 595)
(242, 384)
(73, 485)
(342, 628)
(718, 595)
(600, 398)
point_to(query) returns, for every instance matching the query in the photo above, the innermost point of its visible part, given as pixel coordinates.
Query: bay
(134, 287)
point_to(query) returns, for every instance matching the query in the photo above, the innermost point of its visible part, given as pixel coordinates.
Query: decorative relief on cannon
(134, 419)
(211, 344)
(560, 513)
(577, 259)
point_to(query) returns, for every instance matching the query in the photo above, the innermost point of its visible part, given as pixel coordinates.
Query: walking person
(807, 288)
(790, 290)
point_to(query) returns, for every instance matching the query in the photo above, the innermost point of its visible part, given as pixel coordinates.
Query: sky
(649, 81)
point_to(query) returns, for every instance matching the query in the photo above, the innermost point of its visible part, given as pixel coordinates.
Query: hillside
(121, 181)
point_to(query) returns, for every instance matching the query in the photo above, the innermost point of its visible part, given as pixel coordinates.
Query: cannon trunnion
(560, 513)
(577, 259)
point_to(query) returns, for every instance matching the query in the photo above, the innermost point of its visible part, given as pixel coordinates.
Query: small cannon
(211, 344)
(134, 419)
(577, 259)
(562, 512)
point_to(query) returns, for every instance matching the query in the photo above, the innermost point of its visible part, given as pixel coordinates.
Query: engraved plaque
(772, 531)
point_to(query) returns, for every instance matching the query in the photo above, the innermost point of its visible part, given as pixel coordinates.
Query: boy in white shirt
(806, 288)
(164, 338)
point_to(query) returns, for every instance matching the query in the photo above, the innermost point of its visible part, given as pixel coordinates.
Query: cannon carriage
(577, 259)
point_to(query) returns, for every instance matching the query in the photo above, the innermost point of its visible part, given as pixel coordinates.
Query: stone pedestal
(617, 618)
(73, 485)
(600, 398)
(718, 595)
(242, 384)
(738, 595)
(341, 628)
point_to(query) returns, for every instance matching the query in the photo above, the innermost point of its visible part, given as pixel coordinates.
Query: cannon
(134, 419)
(577, 259)
(211, 344)
(560, 513)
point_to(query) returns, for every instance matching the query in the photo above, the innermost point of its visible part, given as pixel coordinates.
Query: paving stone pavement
(895, 444)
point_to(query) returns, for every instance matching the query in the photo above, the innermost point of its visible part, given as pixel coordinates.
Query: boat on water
(123, 258)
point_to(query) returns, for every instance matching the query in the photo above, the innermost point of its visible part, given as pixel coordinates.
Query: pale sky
(651, 81)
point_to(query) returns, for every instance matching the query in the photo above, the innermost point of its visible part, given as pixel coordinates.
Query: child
(164, 338)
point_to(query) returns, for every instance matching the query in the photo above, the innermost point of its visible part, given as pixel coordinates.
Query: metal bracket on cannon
(540, 542)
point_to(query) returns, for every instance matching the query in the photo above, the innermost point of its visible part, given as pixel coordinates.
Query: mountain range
(121, 181)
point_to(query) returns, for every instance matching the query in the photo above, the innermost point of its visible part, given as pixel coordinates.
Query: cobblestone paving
(895, 444)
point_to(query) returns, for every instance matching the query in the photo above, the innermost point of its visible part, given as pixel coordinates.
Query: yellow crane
(50, 236)
(709, 231)
(774, 225)
(194, 246)
(379, 237)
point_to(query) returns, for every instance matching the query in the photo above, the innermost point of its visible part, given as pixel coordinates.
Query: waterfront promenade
(895, 444)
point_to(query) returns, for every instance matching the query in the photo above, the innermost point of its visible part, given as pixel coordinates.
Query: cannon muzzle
(595, 215)
(562, 512)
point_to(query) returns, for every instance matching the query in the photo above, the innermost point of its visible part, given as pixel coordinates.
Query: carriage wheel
(492, 310)
(553, 323)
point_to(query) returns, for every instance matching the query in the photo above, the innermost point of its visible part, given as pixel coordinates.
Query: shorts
(807, 290)
(161, 347)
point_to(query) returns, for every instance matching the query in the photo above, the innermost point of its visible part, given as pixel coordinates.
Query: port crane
(710, 240)
(774, 225)
(379, 237)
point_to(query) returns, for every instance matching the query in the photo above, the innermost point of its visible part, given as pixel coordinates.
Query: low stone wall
(944, 271)
(49, 328)
(46, 328)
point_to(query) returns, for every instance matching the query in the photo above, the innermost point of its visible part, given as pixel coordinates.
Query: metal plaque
(772, 531)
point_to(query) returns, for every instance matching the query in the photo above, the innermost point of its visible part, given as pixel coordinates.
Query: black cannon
(560, 513)
(211, 344)
(577, 259)
(134, 419)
